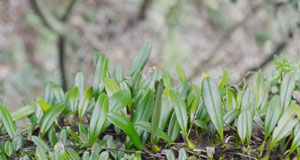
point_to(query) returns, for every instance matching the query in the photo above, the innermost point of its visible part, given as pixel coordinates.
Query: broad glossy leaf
(260, 90)
(18, 142)
(80, 82)
(180, 72)
(50, 116)
(147, 127)
(84, 101)
(272, 116)
(144, 107)
(117, 102)
(73, 154)
(41, 154)
(44, 105)
(49, 96)
(170, 155)
(287, 89)
(99, 74)
(104, 155)
(285, 124)
(58, 93)
(141, 59)
(40, 143)
(224, 79)
(22, 112)
(159, 86)
(111, 86)
(8, 148)
(7, 120)
(180, 110)
(182, 154)
(98, 117)
(212, 102)
(245, 126)
(248, 101)
(230, 99)
(124, 124)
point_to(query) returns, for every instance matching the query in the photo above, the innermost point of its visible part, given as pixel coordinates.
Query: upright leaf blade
(272, 116)
(84, 102)
(285, 124)
(287, 89)
(141, 59)
(7, 120)
(80, 82)
(40, 143)
(98, 117)
(212, 102)
(224, 79)
(180, 110)
(244, 126)
(50, 116)
(181, 73)
(124, 124)
(159, 86)
(100, 73)
(111, 86)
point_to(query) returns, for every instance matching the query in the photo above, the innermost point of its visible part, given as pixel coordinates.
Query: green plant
(121, 117)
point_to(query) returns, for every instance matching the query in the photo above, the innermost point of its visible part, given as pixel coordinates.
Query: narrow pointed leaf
(80, 82)
(244, 126)
(40, 143)
(98, 117)
(181, 73)
(224, 79)
(287, 89)
(272, 116)
(111, 86)
(159, 86)
(158, 132)
(141, 59)
(7, 120)
(180, 110)
(84, 101)
(124, 124)
(212, 102)
(22, 112)
(100, 73)
(285, 124)
(50, 116)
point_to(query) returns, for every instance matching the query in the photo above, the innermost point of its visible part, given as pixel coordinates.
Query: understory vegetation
(148, 116)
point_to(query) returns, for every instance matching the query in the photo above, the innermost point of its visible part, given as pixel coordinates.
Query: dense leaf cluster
(144, 116)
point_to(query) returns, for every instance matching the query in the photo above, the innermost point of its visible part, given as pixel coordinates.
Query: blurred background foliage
(43, 41)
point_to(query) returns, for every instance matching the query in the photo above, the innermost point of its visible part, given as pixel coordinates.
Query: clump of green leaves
(136, 115)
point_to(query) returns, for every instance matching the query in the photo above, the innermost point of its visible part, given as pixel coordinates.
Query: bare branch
(47, 18)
